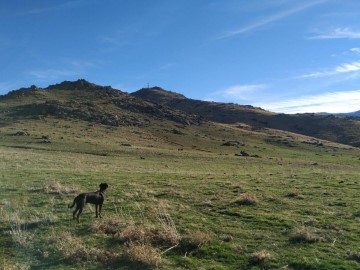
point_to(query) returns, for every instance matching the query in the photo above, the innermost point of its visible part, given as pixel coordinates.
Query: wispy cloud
(338, 33)
(236, 92)
(272, 18)
(355, 50)
(167, 66)
(72, 69)
(333, 102)
(63, 5)
(7, 86)
(341, 69)
(52, 74)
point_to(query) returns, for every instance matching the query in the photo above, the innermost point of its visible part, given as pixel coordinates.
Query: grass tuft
(108, 225)
(260, 256)
(295, 195)
(76, 251)
(355, 256)
(196, 239)
(55, 187)
(303, 235)
(143, 254)
(247, 199)
(135, 233)
(8, 265)
(168, 232)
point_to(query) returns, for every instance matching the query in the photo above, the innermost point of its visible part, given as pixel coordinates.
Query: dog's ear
(103, 186)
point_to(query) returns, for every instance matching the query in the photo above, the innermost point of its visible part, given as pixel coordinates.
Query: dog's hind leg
(78, 215)
(80, 206)
(75, 211)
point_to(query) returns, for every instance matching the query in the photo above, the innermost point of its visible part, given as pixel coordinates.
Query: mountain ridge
(102, 104)
(89, 102)
(328, 127)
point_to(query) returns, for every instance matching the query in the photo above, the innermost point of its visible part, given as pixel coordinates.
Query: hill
(351, 114)
(184, 193)
(338, 129)
(86, 101)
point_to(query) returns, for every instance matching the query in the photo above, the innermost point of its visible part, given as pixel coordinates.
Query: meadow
(179, 197)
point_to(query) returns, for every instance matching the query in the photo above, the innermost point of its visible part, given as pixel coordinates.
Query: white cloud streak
(332, 102)
(237, 92)
(338, 33)
(270, 19)
(61, 6)
(355, 50)
(75, 68)
(341, 69)
(52, 74)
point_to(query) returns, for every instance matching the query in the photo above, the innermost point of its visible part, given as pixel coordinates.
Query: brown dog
(96, 198)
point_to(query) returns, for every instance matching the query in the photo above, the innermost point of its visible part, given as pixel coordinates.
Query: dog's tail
(71, 206)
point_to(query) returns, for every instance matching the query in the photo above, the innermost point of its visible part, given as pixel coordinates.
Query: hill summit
(80, 84)
(88, 102)
(158, 95)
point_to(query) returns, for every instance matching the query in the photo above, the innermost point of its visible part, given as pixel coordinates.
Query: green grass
(196, 188)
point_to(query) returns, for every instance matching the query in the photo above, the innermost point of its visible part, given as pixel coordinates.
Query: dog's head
(103, 186)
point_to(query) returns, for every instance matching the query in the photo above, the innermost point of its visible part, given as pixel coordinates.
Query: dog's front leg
(100, 206)
(96, 210)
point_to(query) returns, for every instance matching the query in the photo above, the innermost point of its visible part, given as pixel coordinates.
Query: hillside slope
(351, 114)
(192, 194)
(89, 102)
(338, 129)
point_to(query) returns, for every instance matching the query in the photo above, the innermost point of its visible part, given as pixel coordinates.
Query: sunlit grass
(200, 207)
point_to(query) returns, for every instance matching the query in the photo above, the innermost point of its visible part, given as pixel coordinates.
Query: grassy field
(177, 198)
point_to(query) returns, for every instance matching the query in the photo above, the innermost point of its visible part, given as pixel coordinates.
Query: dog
(96, 198)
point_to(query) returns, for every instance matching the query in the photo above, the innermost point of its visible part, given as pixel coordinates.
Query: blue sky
(282, 55)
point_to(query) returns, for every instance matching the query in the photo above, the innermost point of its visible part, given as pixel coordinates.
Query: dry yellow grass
(260, 256)
(144, 254)
(304, 234)
(247, 199)
(58, 188)
(108, 225)
(76, 251)
(196, 239)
